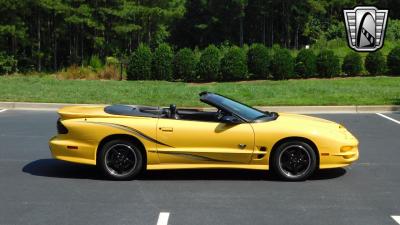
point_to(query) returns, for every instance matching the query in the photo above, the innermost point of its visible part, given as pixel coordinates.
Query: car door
(186, 141)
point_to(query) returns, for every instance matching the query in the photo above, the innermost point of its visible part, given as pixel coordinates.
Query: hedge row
(256, 62)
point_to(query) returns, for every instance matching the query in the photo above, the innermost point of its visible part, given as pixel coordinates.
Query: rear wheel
(294, 161)
(121, 160)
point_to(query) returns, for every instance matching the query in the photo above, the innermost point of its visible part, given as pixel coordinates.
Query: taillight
(61, 129)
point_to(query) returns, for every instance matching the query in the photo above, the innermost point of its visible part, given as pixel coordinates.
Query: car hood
(309, 121)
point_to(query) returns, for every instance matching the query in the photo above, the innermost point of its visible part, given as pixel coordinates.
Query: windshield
(242, 110)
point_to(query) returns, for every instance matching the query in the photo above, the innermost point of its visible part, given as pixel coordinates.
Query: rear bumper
(72, 150)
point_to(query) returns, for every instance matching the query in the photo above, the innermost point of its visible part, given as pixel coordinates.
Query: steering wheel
(220, 114)
(173, 112)
(172, 109)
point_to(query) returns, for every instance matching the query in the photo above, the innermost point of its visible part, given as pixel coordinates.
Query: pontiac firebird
(125, 140)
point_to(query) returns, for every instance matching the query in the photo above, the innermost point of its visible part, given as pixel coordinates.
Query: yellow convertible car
(125, 140)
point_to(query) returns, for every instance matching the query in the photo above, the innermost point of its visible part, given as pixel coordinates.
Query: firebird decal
(131, 130)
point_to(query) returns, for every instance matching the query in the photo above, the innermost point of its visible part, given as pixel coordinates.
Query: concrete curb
(334, 109)
(34, 106)
(292, 109)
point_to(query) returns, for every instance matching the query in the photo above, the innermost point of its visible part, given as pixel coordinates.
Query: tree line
(46, 35)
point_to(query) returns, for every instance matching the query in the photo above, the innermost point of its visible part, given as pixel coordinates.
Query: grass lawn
(339, 91)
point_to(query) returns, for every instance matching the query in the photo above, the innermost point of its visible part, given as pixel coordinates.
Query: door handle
(166, 129)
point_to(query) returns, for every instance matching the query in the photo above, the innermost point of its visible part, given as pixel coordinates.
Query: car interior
(169, 112)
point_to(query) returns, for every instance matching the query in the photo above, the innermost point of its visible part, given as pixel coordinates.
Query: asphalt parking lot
(35, 189)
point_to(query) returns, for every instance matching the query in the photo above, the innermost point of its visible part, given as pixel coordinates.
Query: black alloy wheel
(121, 160)
(294, 161)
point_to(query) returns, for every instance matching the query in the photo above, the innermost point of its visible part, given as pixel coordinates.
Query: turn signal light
(346, 148)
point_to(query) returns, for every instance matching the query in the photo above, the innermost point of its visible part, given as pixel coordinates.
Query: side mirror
(230, 120)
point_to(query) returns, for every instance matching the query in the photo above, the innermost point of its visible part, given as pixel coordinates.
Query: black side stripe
(194, 157)
(132, 130)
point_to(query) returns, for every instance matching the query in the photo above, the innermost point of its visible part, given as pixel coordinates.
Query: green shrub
(185, 65)
(306, 63)
(393, 61)
(75, 72)
(352, 64)
(224, 48)
(139, 67)
(112, 61)
(375, 63)
(110, 72)
(327, 64)
(7, 63)
(282, 64)
(258, 61)
(162, 62)
(234, 64)
(209, 64)
(392, 30)
(95, 63)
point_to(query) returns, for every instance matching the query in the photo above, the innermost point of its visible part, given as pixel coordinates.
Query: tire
(294, 161)
(121, 160)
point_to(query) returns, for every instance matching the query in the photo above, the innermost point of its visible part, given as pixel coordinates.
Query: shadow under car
(60, 169)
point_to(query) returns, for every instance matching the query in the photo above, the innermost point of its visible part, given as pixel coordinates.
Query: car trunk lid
(74, 112)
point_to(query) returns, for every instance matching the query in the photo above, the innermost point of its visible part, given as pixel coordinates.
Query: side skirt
(205, 166)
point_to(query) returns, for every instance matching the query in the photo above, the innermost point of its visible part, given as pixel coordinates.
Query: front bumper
(340, 154)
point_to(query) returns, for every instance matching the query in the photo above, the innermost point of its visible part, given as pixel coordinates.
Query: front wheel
(120, 160)
(294, 161)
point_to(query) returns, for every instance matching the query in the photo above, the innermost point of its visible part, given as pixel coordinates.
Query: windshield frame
(209, 98)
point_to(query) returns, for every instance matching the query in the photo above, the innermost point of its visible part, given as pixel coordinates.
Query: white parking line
(386, 117)
(396, 218)
(163, 218)
(3, 110)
